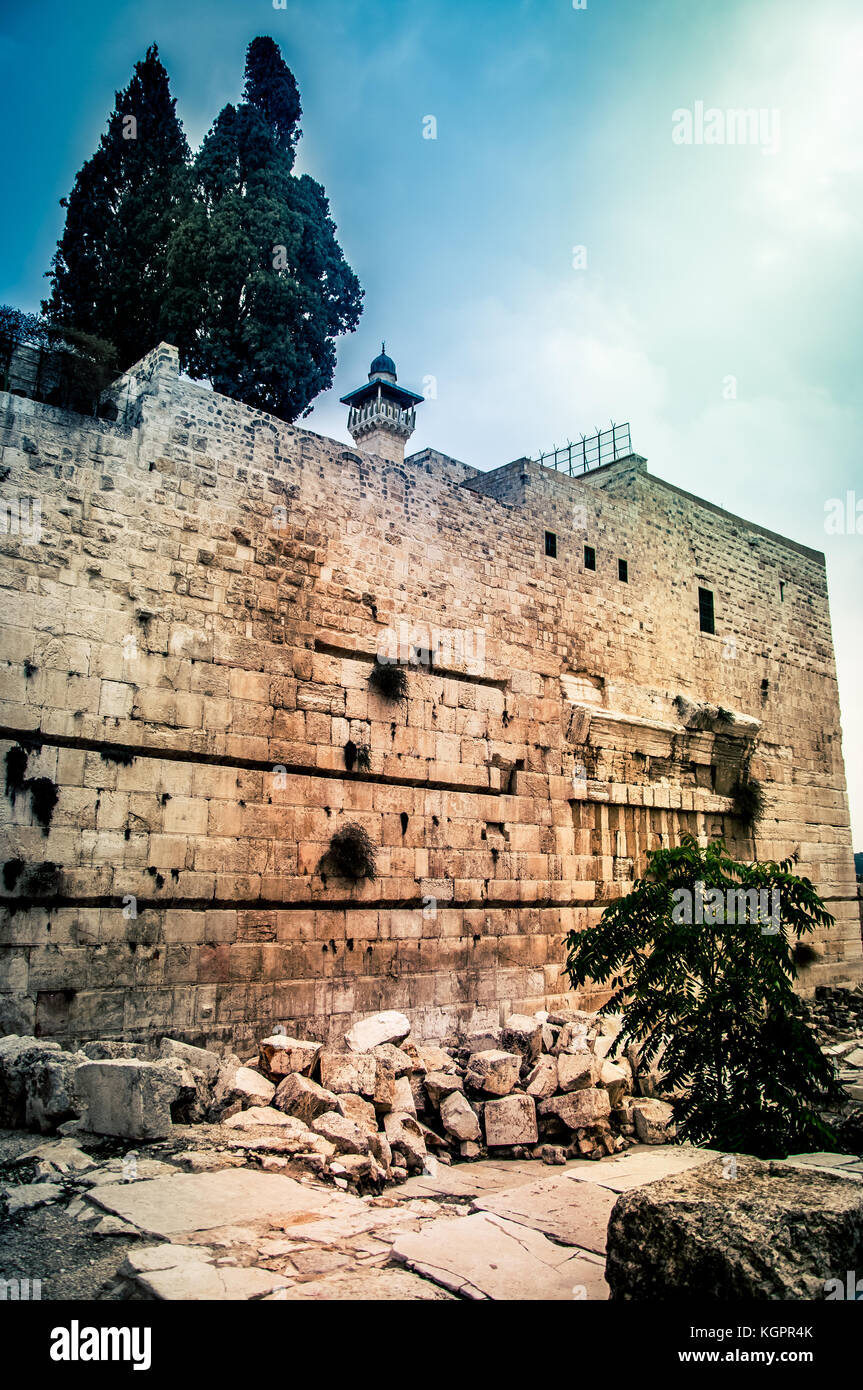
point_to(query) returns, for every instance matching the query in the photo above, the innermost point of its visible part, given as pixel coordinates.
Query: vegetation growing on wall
(352, 853)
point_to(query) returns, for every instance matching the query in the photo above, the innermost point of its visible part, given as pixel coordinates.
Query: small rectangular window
(551, 544)
(623, 571)
(589, 558)
(782, 591)
(705, 610)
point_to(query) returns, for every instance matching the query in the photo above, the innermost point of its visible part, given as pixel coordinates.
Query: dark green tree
(110, 272)
(260, 289)
(704, 983)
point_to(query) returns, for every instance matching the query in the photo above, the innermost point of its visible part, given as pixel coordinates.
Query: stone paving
(486, 1230)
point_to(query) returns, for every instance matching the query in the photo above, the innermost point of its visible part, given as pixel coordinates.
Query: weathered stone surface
(17, 1055)
(108, 1049)
(28, 1196)
(771, 1232)
(203, 1201)
(510, 1120)
(493, 1072)
(567, 1212)
(281, 1056)
(267, 1117)
(349, 1138)
(523, 1035)
(458, 1117)
(401, 1063)
(298, 1095)
(578, 1109)
(542, 1079)
(483, 1256)
(403, 1096)
(362, 1112)
(614, 1079)
(196, 1058)
(50, 1095)
(188, 1274)
(440, 1084)
(387, 1027)
(127, 1098)
(405, 1138)
(349, 1072)
(435, 1058)
(577, 1070)
(242, 1086)
(654, 1121)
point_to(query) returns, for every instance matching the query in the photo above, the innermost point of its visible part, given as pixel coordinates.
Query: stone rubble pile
(379, 1108)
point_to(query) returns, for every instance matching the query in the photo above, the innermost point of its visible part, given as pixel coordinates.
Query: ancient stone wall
(187, 649)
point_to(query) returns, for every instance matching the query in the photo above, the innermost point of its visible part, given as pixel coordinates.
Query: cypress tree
(109, 273)
(260, 288)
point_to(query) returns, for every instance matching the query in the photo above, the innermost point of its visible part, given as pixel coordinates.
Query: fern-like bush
(389, 680)
(742, 1069)
(352, 853)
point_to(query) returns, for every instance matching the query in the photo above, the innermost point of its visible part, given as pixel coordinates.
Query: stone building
(194, 596)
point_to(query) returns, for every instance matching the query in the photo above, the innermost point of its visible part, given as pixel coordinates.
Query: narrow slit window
(589, 558)
(782, 591)
(623, 571)
(706, 616)
(551, 544)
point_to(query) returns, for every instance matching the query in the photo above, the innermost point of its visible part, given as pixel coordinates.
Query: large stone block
(730, 1231)
(298, 1095)
(493, 1072)
(125, 1097)
(578, 1109)
(510, 1120)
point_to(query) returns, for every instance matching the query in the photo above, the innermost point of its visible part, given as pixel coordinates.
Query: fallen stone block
(523, 1035)
(440, 1084)
(542, 1079)
(771, 1231)
(577, 1070)
(615, 1079)
(387, 1027)
(400, 1061)
(198, 1059)
(654, 1121)
(108, 1050)
(243, 1087)
(403, 1096)
(268, 1117)
(435, 1058)
(298, 1095)
(28, 1196)
(578, 1109)
(50, 1095)
(282, 1056)
(361, 1111)
(352, 1073)
(405, 1138)
(127, 1098)
(348, 1137)
(458, 1117)
(493, 1072)
(17, 1055)
(510, 1120)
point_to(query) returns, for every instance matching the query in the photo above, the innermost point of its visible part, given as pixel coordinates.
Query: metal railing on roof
(590, 451)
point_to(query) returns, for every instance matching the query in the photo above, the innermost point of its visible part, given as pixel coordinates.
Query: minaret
(382, 414)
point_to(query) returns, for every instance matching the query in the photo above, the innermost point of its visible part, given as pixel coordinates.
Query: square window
(589, 558)
(623, 571)
(705, 610)
(551, 544)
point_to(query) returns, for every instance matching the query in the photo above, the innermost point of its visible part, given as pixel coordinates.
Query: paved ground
(486, 1230)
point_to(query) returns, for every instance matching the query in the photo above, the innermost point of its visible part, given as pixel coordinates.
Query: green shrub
(714, 999)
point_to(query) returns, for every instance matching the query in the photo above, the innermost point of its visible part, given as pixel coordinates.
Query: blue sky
(554, 130)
